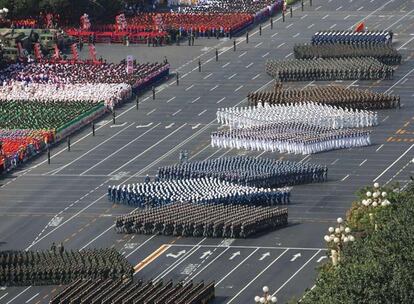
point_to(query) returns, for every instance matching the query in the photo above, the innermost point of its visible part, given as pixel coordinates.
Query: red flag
(360, 27)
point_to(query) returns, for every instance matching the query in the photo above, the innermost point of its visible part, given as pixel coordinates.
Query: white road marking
(274, 34)
(211, 262)
(133, 251)
(402, 46)
(267, 254)
(18, 295)
(303, 266)
(280, 45)
(193, 101)
(176, 112)
(143, 152)
(332, 26)
(379, 148)
(254, 251)
(255, 77)
(221, 100)
(360, 8)
(121, 148)
(171, 99)
(316, 9)
(295, 257)
(238, 88)
(344, 178)
(256, 277)
(150, 112)
(363, 162)
(242, 54)
(346, 17)
(264, 55)
(311, 26)
(324, 17)
(335, 161)
(205, 77)
(196, 126)
(249, 65)
(339, 8)
(390, 166)
(213, 88)
(296, 35)
(289, 25)
(304, 16)
(32, 298)
(259, 44)
(201, 113)
(321, 258)
(3, 296)
(118, 126)
(175, 256)
(288, 55)
(190, 87)
(223, 66)
(87, 152)
(145, 126)
(232, 76)
(179, 261)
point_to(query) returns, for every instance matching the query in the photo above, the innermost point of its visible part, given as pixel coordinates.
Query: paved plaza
(66, 201)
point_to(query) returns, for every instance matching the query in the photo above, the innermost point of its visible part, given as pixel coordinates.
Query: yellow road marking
(151, 258)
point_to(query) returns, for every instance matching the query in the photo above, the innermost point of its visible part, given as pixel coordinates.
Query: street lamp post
(337, 238)
(375, 198)
(267, 298)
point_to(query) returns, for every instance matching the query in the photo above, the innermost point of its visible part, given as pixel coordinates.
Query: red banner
(360, 27)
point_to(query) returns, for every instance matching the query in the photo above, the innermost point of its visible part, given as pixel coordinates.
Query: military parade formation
(307, 113)
(202, 190)
(59, 266)
(208, 220)
(333, 95)
(229, 197)
(295, 138)
(319, 69)
(248, 171)
(126, 291)
(383, 53)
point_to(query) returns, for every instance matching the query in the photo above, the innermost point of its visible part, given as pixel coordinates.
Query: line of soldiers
(54, 267)
(297, 138)
(356, 68)
(382, 52)
(309, 113)
(196, 190)
(126, 291)
(249, 171)
(351, 37)
(329, 95)
(208, 220)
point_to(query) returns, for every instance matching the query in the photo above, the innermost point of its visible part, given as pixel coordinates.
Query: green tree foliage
(379, 266)
(100, 11)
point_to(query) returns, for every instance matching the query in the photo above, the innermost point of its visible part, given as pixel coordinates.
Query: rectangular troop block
(356, 68)
(249, 171)
(125, 291)
(330, 95)
(207, 220)
(56, 266)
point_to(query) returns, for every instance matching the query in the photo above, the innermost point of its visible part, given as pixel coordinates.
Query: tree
(379, 266)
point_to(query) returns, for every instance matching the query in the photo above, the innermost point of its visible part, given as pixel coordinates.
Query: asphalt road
(66, 201)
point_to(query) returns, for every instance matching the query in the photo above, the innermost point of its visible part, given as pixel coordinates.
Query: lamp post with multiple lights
(337, 238)
(267, 298)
